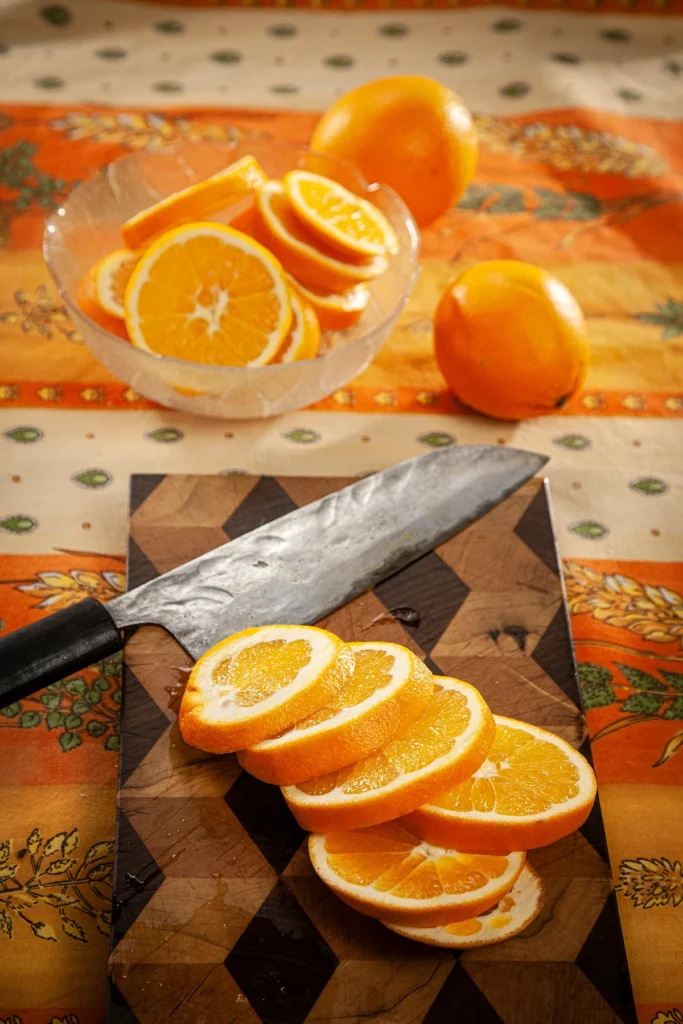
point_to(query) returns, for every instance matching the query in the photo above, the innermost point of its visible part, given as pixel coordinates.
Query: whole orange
(409, 132)
(510, 340)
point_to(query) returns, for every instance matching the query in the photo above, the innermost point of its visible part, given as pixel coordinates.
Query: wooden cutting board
(218, 915)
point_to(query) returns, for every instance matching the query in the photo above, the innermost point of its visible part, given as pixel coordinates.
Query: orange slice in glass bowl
(389, 689)
(194, 203)
(532, 789)
(387, 872)
(510, 916)
(208, 294)
(304, 334)
(336, 311)
(258, 683)
(317, 265)
(87, 301)
(449, 741)
(111, 275)
(339, 217)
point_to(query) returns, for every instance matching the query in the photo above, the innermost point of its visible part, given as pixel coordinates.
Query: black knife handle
(54, 647)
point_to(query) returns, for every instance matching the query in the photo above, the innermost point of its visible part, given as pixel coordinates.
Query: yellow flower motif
(651, 883)
(634, 402)
(70, 1018)
(49, 394)
(92, 394)
(593, 401)
(674, 404)
(40, 315)
(385, 398)
(427, 398)
(142, 131)
(343, 397)
(60, 590)
(9, 392)
(132, 396)
(655, 613)
(672, 1016)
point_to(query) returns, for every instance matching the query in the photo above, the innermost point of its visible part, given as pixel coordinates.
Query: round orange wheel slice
(304, 256)
(195, 202)
(336, 311)
(87, 301)
(533, 789)
(449, 741)
(387, 872)
(257, 683)
(111, 275)
(208, 294)
(510, 916)
(389, 689)
(339, 217)
(304, 334)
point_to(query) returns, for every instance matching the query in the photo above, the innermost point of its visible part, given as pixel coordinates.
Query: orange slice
(258, 683)
(449, 741)
(208, 294)
(86, 299)
(387, 872)
(195, 202)
(304, 334)
(339, 217)
(309, 260)
(532, 789)
(389, 689)
(510, 916)
(336, 312)
(110, 277)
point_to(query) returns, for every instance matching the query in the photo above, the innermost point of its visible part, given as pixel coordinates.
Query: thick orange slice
(86, 299)
(336, 312)
(195, 203)
(389, 689)
(258, 683)
(339, 217)
(387, 872)
(532, 789)
(110, 277)
(304, 333)
(318, 266)
(208, 294)
(510, 916)
(449, 741)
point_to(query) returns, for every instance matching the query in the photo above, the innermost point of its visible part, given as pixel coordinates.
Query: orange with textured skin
(317, 265)
(387, 872)
(389, 689)
(258, 683)
(448, 742)
(532, 789)
(406, 131)
(195, 203)
(510, 340)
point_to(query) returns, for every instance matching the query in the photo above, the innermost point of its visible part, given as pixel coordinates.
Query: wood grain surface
(218, 914)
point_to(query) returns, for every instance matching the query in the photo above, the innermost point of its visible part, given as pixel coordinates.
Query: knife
(295, 569)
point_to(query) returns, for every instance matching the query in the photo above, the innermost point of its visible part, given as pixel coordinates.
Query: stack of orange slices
(421, 802)
(294, 260)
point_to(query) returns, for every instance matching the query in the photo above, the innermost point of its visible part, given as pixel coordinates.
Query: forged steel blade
(302, 566)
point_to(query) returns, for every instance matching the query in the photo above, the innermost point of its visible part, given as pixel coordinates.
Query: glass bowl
(87, 227)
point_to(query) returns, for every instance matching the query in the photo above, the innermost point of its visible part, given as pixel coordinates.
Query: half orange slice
(304, 333)
(336, 311)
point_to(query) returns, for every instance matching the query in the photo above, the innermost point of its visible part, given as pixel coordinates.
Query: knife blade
(296, 569)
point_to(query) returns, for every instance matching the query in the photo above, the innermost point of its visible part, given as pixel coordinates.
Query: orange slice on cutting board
(338, 217)
(336, 311)
(195, 203)
(258, 683)
(304, 333)
(208, 294)
(314, 263)
(449, 741)
(510, 916)
(532, 789)
(387, 872)
(389, 689)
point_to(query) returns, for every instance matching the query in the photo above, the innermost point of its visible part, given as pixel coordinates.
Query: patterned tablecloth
(581, 171)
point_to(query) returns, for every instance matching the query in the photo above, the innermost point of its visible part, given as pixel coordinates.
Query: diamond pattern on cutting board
(432, 589)
(142, 722)
(137, 877)
(281, 962)
(265, 502)
(550, 654)
(603, 960)
(263, 813)
(460, 1000)
(535, 528)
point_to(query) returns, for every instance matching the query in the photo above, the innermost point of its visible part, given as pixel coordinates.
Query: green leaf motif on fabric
(675, 710)
(629, 95)
(507, 25)
(394, 29)
(302, 436)
(566, 58)
(590, 529)
(29, 719)
(515, 90)
(50, 82)
(168, 86)
(339, 60)
(18, 524)
(24, 435)
(283, 31)
(51, 700)
(69, 741)
(226, 56)
(435, 439)
(92, 478)
(453, 58)
(56, 14)
(596, 685)
(111, 53)
(649, 485)
(669, 316)
(643, 704)
(166, 435)
(575, 442)
(616, 35)
(641, 680)
(170, 27)
(674, 679)
(509, 200)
